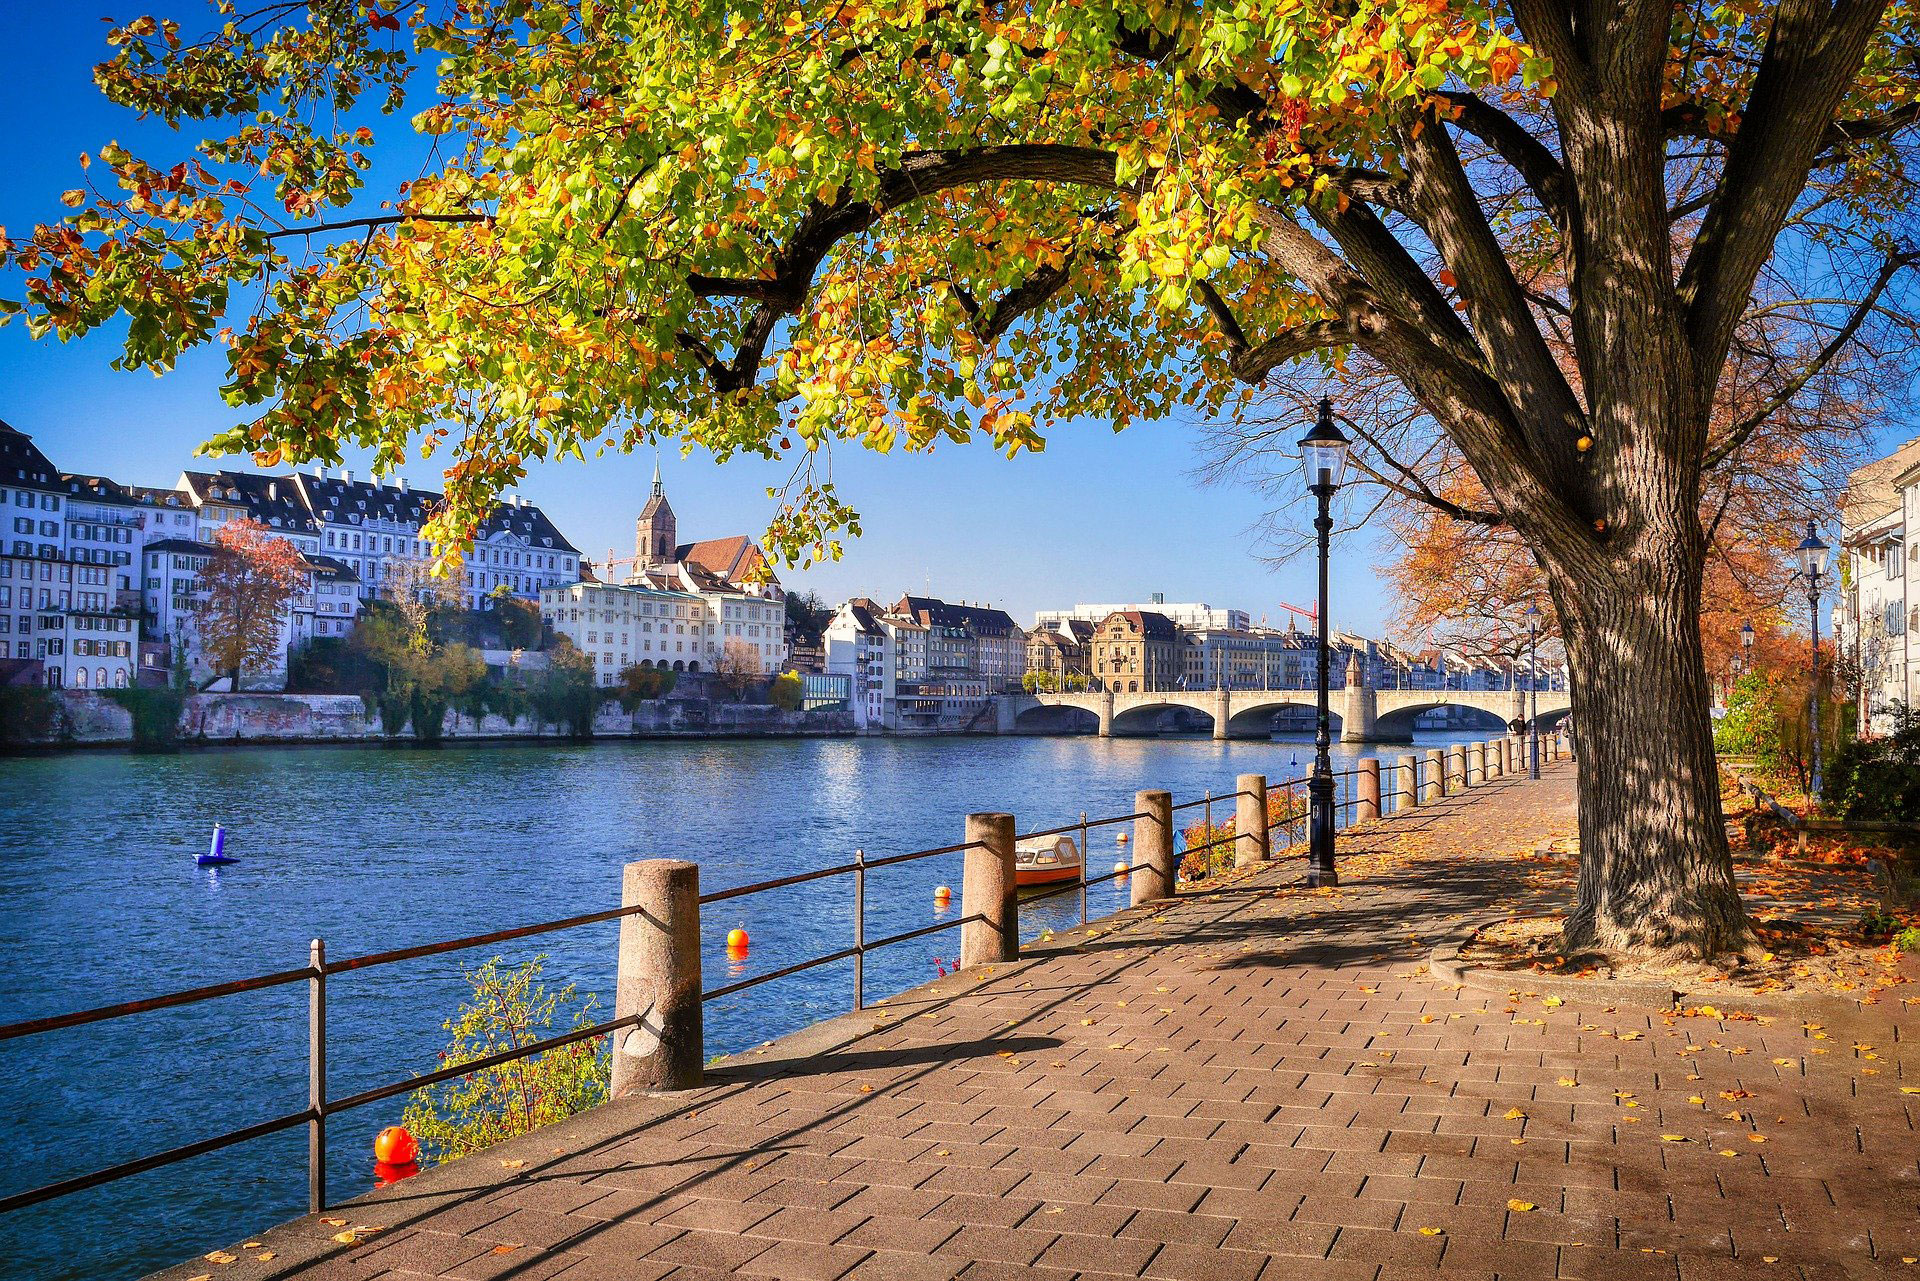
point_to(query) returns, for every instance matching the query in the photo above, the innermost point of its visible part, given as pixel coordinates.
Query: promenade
(1251, 1081)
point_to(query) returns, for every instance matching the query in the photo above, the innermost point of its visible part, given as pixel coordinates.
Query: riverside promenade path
(1251, 1081)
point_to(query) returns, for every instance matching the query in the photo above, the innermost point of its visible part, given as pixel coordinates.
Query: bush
(639, 684)
(156, 716)
(1286, 815)
(786, 692)
(1878, 779)
(510, 1007)
(28, 714)
(1752, 726)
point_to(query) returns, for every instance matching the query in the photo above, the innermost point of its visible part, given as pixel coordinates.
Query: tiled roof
(22, 463)
(979, 619)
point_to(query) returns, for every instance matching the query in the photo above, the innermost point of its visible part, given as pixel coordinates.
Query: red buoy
(394, 1146)
(383, 1174)
(736, 940)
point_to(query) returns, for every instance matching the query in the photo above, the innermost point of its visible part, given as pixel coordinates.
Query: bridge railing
(660, 920)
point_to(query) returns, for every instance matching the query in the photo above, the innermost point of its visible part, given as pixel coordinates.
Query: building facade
(1878, 613)
(1134, 651)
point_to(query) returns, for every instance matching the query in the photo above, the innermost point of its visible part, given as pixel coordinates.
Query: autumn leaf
(1520, 1207)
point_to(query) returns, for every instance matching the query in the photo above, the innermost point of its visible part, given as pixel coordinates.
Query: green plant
(1878, 779)
(639, 684)
(1751, 728)
(1907, 940)
(156, 716)
(29, 714)
(565, 694)
(786, 692)
(510, 1007)
(1876, 923)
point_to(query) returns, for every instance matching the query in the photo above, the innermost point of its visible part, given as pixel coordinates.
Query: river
(100, 902)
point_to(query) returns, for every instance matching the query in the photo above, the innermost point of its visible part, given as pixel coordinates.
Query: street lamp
(1533, 691)
(1813, 564)
(1323, 460)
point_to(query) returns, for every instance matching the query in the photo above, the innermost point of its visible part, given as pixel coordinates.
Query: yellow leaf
(1553, 1002)
(344, 1238)
(512, 1165)
(1783, 1062)
(338, 1223)
(1673, 1138)
(1910, 1089)
(220, 1256)
(265, 1256)
(1432, 1232)
(1756, 1138)
(73, 199)
(1566, 1080)
(1515, 1114)
(1520, 1207)
(1728, 1152)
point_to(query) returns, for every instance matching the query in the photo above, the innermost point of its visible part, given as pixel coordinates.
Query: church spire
(657, 491)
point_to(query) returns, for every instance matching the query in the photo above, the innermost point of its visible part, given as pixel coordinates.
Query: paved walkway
(1257, 1081)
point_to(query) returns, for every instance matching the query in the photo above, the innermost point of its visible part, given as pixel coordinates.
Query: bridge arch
(1257, 720)
(1159, 717)
(1396, 724)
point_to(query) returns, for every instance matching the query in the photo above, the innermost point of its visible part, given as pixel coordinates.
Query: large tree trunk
(1655, 869)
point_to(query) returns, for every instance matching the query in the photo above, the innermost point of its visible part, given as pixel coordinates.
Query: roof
(104, 490)
(185, 545)
(1873, 490)
(22, 463)
(736, 560)
(273, 501)
(1153, 626)
(336, 500)
(978, 619)
(331, 567)
(863, 617)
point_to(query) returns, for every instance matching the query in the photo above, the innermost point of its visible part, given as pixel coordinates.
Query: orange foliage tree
(242, 597)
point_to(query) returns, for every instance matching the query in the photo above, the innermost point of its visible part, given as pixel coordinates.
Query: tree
(902, 225)
(809, 614)
(738, 667)
(638, 684)
(241, 597)
(518, 619)
(787, 691)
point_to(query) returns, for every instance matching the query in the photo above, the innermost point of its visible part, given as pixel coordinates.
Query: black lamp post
(1323, 459)
(1533, 691)
(1813, 564)
(1744, 663)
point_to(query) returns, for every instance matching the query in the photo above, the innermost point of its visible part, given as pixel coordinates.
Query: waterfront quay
(1246, 1080)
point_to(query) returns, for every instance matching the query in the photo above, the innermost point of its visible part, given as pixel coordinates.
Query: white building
(621, 625)
(1192, 616)
(1879, 611)
(859, 646)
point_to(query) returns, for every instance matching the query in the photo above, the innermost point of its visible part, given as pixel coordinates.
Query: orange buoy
(737, 940)
(394, 1146)
(1121, 869)
(941, 893)
(1121, 839)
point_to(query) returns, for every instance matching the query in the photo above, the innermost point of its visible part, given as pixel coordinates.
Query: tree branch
(1530, 158)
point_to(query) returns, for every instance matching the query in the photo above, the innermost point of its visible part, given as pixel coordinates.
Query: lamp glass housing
(1324, 450)
(1813, 554)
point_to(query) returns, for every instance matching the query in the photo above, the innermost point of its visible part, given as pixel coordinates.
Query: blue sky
(1099, 516)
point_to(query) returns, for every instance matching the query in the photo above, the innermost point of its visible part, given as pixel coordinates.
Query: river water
(100, 902)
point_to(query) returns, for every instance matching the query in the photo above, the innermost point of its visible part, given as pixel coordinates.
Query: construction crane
(1312, 615)
(612, 563)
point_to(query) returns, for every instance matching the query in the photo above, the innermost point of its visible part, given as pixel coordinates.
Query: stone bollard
(1369, 798)
(989, 893)
(1436, 774)
(1491, 748)
(1253, 842)
(1408, 796)
(1153, 864)
(1476, 764)
(1456, 769)
(659, 979)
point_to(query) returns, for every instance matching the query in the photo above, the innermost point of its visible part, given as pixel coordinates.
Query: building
(1191, 615)
(680, 607)
(622, 625)
(1135, 650)
(971, 649)
(1246, 658)
(1878, 612)
(861, 648)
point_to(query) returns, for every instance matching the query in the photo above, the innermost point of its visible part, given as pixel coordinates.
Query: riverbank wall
(88, 720)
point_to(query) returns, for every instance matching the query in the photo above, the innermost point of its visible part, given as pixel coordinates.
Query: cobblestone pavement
(1255, 1081)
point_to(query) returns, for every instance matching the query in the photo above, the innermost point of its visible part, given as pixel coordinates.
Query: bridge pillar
(1106, 713)
(1476, 764)
(1222, 712)
(1359, 707)
(1436, 785)
(1407, 791)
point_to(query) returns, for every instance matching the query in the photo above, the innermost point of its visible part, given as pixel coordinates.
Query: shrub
(510, 1007)
(1286, 815)
(28, 714)
(1752, 726)
(1878, 779)
(639, 684)
(156, 716)
(786, 691)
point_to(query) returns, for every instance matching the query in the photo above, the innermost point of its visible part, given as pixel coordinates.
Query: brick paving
(1256, 1081)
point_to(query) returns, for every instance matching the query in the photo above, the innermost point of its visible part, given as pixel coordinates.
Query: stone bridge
(1361, 714)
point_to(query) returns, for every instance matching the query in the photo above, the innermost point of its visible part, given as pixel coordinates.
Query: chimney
(346, 475)
(403, 484)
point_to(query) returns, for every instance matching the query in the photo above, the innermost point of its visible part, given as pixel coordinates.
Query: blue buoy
(216, 854)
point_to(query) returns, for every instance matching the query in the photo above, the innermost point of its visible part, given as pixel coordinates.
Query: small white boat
(1046, 860)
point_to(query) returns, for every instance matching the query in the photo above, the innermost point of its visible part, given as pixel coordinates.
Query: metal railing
(319, 969)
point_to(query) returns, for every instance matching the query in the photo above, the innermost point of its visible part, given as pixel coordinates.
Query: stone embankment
(96, 720)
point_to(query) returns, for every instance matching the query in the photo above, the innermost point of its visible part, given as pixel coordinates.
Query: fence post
(317, 1077)
(989, 892)
(1409, 781)
(859, 929)
(1476, 764)
(1369, 800)
(659, 979)
(1436, 774)
(1254, 843)
(1152, 846)
(1496, 768)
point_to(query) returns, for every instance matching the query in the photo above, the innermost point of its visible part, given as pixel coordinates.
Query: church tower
(658, 532)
